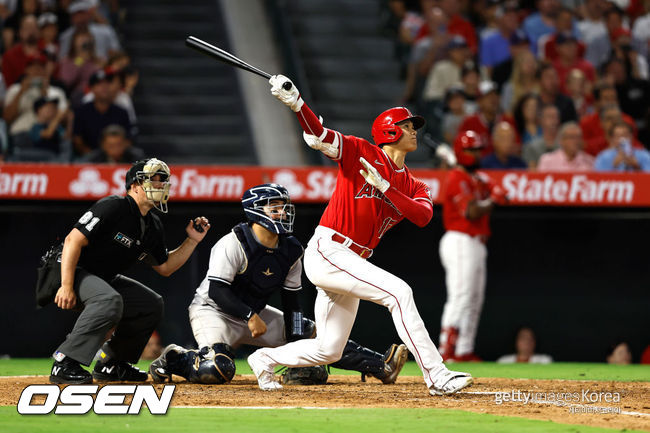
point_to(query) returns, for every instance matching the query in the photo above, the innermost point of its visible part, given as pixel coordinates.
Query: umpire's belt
(360, 250)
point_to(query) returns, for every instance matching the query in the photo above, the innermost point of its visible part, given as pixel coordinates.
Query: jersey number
(85, 218)
(388, 223)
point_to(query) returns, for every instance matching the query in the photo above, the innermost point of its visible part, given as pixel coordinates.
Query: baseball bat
(226, 57)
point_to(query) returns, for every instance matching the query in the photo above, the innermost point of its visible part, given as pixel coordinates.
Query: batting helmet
(467, 140)
(256, 199)
(385, 129)
(142, 172)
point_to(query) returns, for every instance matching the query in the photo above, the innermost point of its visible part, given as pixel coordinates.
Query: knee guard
(361, 359)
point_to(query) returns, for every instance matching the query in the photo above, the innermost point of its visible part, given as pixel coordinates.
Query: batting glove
(373, 177)
(291, 98)
(498, 195)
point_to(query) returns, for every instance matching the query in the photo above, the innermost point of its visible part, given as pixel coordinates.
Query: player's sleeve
(100, 216)
(227, 259)
(294, 277)
(336, 144)
(418, 208)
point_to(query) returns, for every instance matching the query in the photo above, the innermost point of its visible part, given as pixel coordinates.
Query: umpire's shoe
(394, 359)
(69, 371)
(118, 371)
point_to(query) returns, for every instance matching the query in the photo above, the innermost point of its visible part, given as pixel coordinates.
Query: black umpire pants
(129, 306)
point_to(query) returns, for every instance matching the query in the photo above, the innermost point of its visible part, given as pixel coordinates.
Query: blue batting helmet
(275, 218)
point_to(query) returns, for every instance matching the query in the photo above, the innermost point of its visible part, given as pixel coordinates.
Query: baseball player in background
(84, 274)
(247, 266)
(374, 191)
(467, 200)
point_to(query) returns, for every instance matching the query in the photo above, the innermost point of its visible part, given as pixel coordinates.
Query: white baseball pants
(343, 278)
(464, 259)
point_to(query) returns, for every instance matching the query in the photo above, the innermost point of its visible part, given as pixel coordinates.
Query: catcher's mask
(157, 190)
(275, 217)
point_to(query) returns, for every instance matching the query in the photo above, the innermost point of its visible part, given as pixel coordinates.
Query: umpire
(84, 274)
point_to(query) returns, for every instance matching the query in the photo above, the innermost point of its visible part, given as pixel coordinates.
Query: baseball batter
(468, 199)
(374, 191)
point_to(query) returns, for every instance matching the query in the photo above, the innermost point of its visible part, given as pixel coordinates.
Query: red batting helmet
(385, 129)
(464, 141)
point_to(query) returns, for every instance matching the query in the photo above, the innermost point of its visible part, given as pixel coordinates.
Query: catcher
(249, 264)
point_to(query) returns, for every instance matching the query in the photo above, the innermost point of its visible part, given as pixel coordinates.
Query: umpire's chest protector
(267, 268)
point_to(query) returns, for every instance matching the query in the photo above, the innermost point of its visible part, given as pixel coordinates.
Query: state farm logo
(317, 185)
(89, 182)
(23, 184)
(192, 183)
(577, 188)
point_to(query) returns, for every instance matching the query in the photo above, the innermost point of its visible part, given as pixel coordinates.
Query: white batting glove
(444, 152)
(291, 98)
(373, 177)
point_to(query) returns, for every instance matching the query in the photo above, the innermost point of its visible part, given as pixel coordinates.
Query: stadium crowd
(66, 85)
(549, 85)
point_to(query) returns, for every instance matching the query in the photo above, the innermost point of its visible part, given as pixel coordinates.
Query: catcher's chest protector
(267, 267)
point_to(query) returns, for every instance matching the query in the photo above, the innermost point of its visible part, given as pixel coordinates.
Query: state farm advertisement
(310, 184)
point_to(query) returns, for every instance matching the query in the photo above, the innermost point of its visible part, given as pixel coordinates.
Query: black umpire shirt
(118, 236)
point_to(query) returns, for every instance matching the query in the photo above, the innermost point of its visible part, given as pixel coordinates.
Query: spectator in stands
(19, 103)
(7, 10)
(599, 48)
(564, 24)
(11, 26)
(14, 59)
(92, 117)
(636, 63)
(579, 93)
(118, 93)
(495, 47)
(470, 78)
(115, 148)
(525, 344)
(49, 30)
(568, 59)
(619, 353)
(458, 25)
(549, 93)
(79, 65)
(592, 26)
(429, 47)
(550, 124)
(405, 22)
(609, 115)
(484, 120)
(621, 155)
(454, 113)
(81, 17)
(48, 133)
(502, 72)
(541, 22)
(641, 30)
(526, 116)
(633, 93)
(569, 157)
(504, 157)
(524, 80)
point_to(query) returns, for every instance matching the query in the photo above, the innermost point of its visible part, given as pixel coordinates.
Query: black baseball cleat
(118, 371)
(69, 371)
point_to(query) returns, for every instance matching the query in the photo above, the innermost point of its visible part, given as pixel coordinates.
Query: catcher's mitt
(305, 376)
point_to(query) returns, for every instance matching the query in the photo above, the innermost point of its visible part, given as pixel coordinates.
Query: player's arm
(178, 257)
(415, 210)
(75, 240)
(477, 208)
(328, 141)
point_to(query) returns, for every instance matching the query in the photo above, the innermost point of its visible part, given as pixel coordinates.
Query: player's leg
(385, 367)
(102, 310)
(472, 310)
(336, 269)
(454, 255)
(142, 312)
(334, 314)
(211, 326)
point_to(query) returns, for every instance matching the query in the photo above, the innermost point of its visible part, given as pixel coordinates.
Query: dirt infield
(602, 404)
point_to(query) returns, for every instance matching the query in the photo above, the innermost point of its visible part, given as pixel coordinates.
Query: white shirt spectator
(27, 117)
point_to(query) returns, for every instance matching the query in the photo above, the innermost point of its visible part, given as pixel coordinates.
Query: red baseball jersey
(459, 190)
(357, 209)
